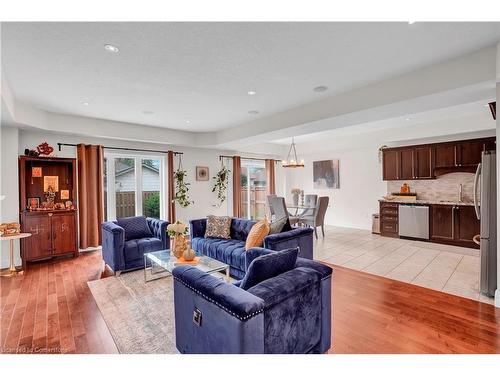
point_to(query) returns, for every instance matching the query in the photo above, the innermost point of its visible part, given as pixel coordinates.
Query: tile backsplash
(442, 188)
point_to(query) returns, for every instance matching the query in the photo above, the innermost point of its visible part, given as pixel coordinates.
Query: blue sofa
(121, 255)
(285, 314)
(232, 251)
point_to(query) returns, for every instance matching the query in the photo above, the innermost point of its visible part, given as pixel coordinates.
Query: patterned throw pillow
(256, 236)
(277, 225)
(218, 227)
(135, 227)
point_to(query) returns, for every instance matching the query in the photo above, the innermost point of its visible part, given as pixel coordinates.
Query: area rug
(139, 315)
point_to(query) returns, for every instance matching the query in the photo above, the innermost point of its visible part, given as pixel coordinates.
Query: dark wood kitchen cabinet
(432, 160)
(424, 162)
(390, 165)
(442, 222)
(454, 225)
(407, 163)
(389, 219)
(445, 156)
(467, 225)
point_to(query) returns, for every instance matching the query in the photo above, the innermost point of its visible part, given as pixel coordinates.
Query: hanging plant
(181, 187)
(220, 183)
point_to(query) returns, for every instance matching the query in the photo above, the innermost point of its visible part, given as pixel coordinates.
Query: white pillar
(497, 292)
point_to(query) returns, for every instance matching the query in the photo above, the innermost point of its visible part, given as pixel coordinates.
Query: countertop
(426, 202)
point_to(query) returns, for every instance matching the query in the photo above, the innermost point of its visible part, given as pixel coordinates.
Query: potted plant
(181, 188)
(220, 185)
(178, 242)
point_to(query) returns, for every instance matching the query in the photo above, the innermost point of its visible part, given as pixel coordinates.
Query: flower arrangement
(178, 241)
(181, 188)
(296, 191)
(177, 229)
(220, 185)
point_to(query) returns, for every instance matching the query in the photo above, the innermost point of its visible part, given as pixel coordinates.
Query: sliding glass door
(253, 189)
(133, 185)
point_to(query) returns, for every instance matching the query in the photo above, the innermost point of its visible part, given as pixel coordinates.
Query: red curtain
(90, 160)
(237, 207)
(271, 176)
(171, 190)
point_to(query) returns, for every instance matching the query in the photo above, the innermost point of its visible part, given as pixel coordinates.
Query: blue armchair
(123, 251)
(287, 313)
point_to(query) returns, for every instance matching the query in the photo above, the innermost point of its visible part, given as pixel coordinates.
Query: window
(133, 186)
(253, 189)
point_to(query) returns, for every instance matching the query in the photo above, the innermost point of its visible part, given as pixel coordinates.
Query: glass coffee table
(162, 263)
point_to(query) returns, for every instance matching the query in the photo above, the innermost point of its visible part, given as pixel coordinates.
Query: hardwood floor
(50, 310)
(373, 314)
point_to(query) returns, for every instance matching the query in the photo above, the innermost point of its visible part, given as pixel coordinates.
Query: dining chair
(317, 219)
(310, 201)
(271, 208)
(279, 207)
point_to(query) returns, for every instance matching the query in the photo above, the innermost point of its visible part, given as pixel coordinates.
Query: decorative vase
(295, 198)
(189, 254)
(178, 244)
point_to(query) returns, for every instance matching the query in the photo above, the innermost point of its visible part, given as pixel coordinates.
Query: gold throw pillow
(256, 236)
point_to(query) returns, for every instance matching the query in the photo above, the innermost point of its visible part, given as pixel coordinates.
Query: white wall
(205, 201)
(9, 211)
(361, 185)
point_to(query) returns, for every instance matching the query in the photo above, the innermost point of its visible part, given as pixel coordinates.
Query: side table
(12, 271)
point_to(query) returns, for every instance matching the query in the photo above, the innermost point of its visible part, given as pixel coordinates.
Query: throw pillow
(269, 265)
(277, 225)
(218, 227)
(256, 236)
(135, 227)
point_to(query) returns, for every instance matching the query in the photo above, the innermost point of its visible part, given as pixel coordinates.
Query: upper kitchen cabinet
(407, 163)
(390, 165)
(424, 162)
(431, 160)
(445, 156)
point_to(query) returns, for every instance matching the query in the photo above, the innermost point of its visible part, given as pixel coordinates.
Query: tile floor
(450, 269)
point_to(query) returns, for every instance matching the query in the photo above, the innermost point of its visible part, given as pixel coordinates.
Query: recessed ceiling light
(111, 48)
(320, 89)
(251, 92)
(147, 112)
(253, 112)
(408, 119)
(85, 104)
(188, 122)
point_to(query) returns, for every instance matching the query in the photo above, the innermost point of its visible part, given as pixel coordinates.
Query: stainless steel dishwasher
(414, 221)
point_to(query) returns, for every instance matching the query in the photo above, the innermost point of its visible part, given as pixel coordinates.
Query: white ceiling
(201, 72)
(470, 117)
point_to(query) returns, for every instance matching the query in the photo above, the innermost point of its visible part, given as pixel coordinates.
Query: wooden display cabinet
(54, 231)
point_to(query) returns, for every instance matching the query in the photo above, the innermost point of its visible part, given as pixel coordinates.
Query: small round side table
(12, 271)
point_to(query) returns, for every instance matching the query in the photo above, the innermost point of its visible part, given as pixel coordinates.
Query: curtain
(237, 209)
(171, 189)
(271, 176)
(90, 194)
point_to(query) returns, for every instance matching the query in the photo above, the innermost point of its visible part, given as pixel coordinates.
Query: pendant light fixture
(292, 161)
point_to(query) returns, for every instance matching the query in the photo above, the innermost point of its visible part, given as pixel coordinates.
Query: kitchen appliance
(485, 203)
(414, 221)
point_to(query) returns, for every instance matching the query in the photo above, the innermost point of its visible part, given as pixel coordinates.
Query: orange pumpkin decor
(405, 189)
